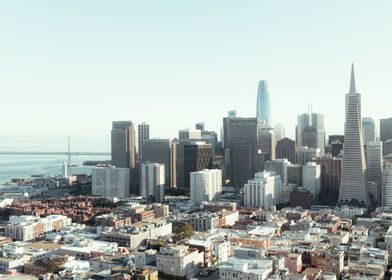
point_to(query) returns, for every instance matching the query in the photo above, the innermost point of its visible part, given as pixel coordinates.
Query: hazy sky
(71, 67)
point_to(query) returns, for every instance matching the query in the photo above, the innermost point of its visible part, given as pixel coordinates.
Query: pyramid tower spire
(352, 81)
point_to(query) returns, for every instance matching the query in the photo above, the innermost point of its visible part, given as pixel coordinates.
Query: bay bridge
(31, 152)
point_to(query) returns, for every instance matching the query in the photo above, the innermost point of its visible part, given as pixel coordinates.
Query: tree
(183, 231)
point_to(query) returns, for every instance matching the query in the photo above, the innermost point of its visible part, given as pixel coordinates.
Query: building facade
(286, 148)
(206, 185)
(110, 182)
(152, 182)
(263, 191)
(353, 187)
(124, 149)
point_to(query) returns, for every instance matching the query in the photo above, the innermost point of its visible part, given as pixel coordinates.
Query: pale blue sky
(71, 67)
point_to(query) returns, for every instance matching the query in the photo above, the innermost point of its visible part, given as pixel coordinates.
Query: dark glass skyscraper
(263, 106)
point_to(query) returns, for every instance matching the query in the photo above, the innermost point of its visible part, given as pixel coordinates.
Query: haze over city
(70, 69)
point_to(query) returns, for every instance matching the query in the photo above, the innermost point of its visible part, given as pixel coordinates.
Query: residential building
(179, 261)
(206, 185)
(110, 182)
(152, 182)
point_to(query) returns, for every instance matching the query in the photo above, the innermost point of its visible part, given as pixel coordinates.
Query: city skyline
(75, 72)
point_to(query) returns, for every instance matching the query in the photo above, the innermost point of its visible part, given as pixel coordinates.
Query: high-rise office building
(280, 132)
(374, 162)
(158, 150)
(387, 147)
(191, 156)
(294, 174)
(368, 131)
(279, 166)
(311, 178)
(110, 182)
(173, 163)
(124, 149)
(353, 187)
(267, 142)
(387, 183)
(310, 131)
(206, 185)
(385, 129)
(305, 155)
(189, 134)
(263, 107)
(143, 136)
(331, 168)
(152, 182)
(285, 148)
(241, 146)
(264, 190)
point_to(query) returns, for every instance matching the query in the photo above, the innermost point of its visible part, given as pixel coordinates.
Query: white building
(111, 182)
(152, 181)
(179, 260)
(245, 268)
(279, 166)
(311, 178)
(206, 185)
(263, 191)
(26, 228)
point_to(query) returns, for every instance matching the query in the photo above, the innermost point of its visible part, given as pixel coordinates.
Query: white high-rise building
(111, 182)
(387, 185)
(353, 188)
(311, 173)
(279, 166)
(264, 191)
(152, 181)
(374, 162)
(206, 185)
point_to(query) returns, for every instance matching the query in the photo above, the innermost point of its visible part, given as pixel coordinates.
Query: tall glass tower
(263, 106)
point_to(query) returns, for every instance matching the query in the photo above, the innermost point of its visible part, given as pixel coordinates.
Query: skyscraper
(374, 163)
(267, 142)
(241, 148)
(330, 178)
(143, 136)
(385, 129)
(263, 107)
(285, 148)
(310, 131)
(191, 156)
(311, 173)
(368, 130)
(353, 187)
(124, 150)
(158, 150)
